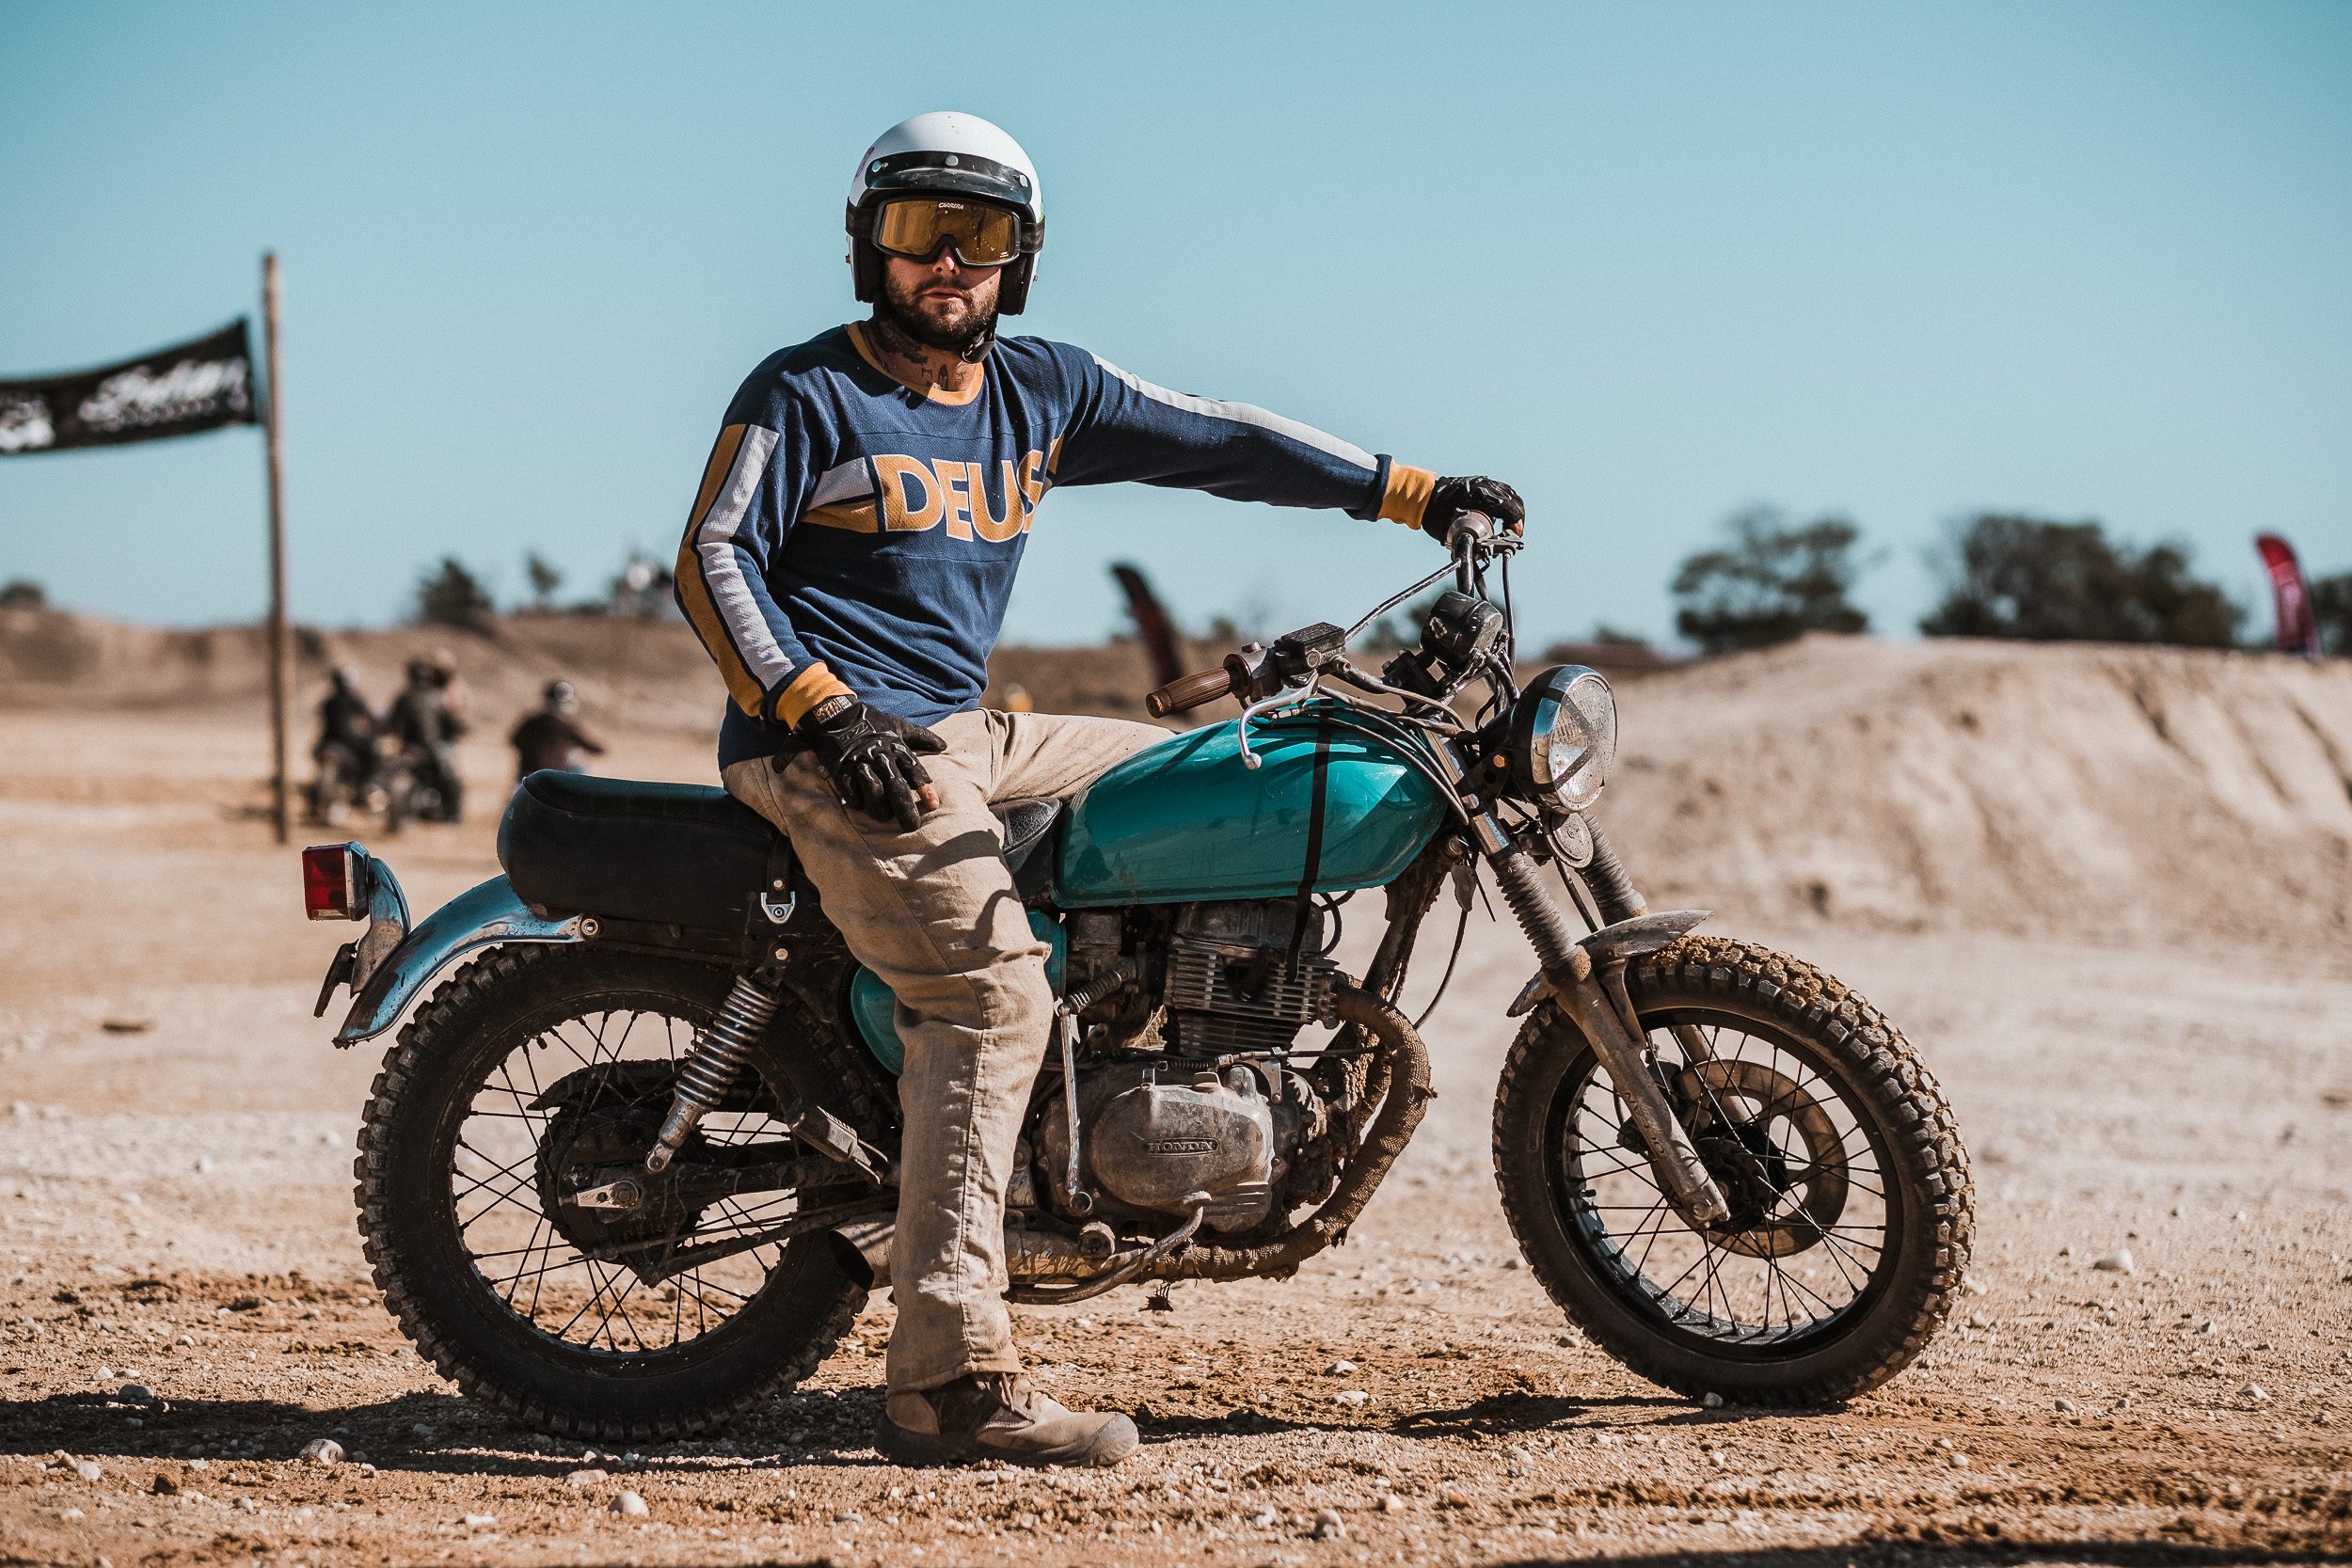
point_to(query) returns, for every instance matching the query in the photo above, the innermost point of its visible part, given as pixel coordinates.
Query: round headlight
(1564, 736)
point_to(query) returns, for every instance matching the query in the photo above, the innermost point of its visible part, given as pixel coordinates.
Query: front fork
(1593, 997)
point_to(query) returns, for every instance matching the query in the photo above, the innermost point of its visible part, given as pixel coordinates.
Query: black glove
(871, 756)
(1472, 493)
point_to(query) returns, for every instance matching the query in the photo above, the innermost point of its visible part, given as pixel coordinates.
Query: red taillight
(331, 883)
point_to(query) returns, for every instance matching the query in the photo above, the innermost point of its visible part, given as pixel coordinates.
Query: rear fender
(484, 916)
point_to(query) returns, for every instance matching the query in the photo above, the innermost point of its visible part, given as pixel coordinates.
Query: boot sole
(1114, 1441)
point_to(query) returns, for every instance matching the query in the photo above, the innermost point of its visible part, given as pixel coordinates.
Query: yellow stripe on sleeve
(694, 593)
(1407, 494)
(805, 691)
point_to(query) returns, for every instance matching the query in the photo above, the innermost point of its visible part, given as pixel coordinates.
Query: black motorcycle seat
(677, 854)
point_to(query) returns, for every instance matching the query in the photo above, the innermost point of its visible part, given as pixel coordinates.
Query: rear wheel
(530, 1069)
(1852, 1208)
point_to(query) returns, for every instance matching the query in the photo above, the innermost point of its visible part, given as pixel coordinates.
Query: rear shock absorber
(712, 1064)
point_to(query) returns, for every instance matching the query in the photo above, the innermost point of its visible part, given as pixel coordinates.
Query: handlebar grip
(1469, 527)
(1189, 692)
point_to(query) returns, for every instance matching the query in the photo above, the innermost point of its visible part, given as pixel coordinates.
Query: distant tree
(449, 595)
(643, 589)
(1773, 582)
(546, 578)
(1609, 637)
(2331, 602)
(2067, 582)
(23, 594)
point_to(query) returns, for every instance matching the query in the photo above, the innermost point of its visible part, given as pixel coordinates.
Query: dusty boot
(996, 1415)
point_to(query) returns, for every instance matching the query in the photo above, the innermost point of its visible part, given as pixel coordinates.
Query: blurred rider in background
(346, 723)
(345, 750)
(421, 722)
(552, 738)
(456, 697)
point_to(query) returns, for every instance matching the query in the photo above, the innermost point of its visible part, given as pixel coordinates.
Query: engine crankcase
(1149, 1137)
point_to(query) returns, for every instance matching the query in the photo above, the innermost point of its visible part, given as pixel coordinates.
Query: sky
(1651, 265)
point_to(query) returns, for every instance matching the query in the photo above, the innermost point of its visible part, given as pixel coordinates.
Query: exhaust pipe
(862, 1249)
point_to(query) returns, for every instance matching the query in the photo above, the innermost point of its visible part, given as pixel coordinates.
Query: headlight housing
(1563, 737)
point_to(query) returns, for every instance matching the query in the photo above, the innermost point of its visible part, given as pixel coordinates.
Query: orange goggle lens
(983, 236)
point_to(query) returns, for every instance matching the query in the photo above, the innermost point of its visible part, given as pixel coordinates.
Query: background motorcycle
(627, 1171)
(348, 779)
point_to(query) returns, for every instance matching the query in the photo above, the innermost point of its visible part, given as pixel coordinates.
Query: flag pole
(280, 654)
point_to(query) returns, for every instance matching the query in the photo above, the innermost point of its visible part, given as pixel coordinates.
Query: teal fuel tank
(876, 1010)
(1186, 819)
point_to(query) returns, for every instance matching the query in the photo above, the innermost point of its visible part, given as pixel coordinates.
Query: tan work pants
(934, 915)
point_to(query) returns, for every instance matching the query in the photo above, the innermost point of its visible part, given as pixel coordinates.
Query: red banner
(2299, 628)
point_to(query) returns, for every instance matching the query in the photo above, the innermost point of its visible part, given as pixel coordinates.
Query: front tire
(506, 1027)
(1815, 1116)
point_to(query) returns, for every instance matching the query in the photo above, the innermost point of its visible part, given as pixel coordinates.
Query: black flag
(173, 391)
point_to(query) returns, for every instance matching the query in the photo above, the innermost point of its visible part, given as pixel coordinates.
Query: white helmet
(950, 153)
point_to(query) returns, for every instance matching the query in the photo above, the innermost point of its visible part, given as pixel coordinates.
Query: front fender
(484, 916)
(1626, 939)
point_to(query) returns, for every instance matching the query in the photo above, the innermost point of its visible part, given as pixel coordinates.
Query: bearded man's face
(941, 303)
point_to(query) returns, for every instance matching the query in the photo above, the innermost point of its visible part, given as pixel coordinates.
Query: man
(552, 738)
(847, 565)
(345, 753)
(421, 722)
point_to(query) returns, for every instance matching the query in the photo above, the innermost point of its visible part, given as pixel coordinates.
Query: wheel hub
(1773, 1151)
(591, 1172)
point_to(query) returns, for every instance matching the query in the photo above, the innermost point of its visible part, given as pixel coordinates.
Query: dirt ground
(176, 1136)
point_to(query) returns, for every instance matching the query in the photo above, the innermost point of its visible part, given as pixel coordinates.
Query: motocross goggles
(916, 227)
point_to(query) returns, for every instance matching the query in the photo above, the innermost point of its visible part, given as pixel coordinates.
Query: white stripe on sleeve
(724, 571)
(850, 481)
(1245, 413)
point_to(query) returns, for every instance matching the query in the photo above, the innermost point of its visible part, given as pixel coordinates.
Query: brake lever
(1288, 696)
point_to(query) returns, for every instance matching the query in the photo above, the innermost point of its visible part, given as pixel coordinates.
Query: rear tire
(1552, 1182)
(434, 1284)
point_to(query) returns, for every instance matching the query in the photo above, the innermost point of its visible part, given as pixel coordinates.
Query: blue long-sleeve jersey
(856, 534)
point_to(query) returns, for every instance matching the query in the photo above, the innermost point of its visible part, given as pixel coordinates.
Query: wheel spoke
(1790, 1151)
(607, 1064)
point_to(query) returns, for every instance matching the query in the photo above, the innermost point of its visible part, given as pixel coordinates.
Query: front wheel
(1852, 1209)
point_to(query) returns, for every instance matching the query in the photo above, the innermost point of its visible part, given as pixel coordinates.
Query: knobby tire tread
(1921, 1132)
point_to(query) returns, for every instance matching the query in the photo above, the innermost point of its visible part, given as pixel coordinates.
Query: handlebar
(1189, 691)
(1255, 673)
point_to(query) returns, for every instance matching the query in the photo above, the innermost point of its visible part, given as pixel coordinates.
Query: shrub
(2030, 578)
(1773, 582)
(450, 596)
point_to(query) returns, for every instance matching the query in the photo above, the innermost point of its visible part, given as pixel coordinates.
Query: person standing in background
(552, 738)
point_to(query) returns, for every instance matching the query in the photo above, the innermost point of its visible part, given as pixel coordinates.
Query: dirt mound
(641, 674)
(2079, 789)
(646, 673)
(2085, 789)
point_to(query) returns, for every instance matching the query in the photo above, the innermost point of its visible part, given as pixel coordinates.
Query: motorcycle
(417, 784)
(347, 780)
(629, 1171)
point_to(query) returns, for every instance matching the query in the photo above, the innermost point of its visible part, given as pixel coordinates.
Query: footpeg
(836, 1140)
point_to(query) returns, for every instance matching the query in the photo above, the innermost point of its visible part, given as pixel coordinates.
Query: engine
(1195, 1097)
(1244, 976)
